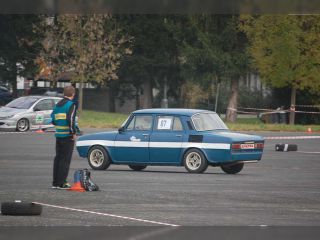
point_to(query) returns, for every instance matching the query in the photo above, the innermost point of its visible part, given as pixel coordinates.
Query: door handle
(145, 134)
(178, 135)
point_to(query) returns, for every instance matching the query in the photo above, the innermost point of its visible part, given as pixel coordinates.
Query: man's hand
(74, 137)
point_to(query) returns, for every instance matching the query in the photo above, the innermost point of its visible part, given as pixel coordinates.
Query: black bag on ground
(86, 182)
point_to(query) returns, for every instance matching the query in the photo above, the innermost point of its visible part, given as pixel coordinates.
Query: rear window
(207, 121)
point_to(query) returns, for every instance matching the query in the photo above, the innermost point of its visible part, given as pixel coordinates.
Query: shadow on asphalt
(174, 172)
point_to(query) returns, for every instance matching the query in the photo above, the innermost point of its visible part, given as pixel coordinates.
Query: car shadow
(174, 172)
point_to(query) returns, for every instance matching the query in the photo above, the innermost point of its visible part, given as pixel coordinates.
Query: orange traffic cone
(40, 130)
(77, 187)
(309, 130)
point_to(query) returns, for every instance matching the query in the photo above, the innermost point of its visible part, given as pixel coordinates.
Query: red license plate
(247, 146)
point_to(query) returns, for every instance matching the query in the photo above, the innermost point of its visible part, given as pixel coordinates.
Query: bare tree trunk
(147, 94)
(231, 115)
(14, 86)
(80, 107)
(13, 80)
(138, 99)
(293, 105)
(112, 101)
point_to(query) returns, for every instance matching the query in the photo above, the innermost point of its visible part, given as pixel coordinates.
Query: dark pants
(61, 165)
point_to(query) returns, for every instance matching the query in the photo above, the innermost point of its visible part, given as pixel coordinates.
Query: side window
(142, 122)
(164, 123)
(44, 105)
(169, 123)
(177, 125)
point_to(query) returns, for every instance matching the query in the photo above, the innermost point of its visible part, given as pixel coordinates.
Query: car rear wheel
(23, 125)
(98, 158)
(194, 161)
(232, 168)
(137, 167)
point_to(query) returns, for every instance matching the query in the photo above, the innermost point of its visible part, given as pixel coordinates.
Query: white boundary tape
(107, 214)
(292, 137)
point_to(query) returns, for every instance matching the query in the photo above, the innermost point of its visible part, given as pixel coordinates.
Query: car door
(132, 144)
(166, 140)
(42, 112)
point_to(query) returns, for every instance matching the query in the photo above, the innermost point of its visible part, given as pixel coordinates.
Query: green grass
(254, 124)
(93, 119)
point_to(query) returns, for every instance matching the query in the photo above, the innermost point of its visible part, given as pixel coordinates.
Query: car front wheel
(137, 167)
(98, 158)
(232, 168)
(23, 125)
(194, 161)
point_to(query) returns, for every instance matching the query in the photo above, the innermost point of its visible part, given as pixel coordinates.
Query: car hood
(7, 111)
(109, 136)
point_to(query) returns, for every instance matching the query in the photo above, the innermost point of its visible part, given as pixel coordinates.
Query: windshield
(207, 121)
(22, 103)
(124, 123)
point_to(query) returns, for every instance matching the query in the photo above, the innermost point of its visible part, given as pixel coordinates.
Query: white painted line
(309, 152)
(107, 214)
(292, 137)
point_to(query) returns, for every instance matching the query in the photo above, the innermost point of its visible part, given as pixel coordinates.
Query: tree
(20, 44)
(85, 45)
(153, 59)
(286, 51)
(215, 50)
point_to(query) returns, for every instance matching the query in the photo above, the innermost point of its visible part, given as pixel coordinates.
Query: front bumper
(7, 124)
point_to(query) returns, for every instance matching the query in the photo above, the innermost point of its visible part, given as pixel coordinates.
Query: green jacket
(64, 118)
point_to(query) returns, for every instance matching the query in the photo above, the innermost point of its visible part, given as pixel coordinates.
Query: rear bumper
(246, 156)
(227, 156)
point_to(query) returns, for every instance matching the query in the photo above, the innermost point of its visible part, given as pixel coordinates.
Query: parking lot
(282, 190)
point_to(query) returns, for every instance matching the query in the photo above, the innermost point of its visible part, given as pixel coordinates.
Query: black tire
(194, 161)
(98, 158)
(137, 167)
(286, 147)
(232, 168)
(23, 125)
(20, 208)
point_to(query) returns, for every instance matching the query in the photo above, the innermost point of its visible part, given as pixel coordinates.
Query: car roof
(172, 111)
(40, 97)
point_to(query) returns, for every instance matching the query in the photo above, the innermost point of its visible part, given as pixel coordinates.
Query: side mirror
(121, 129)
(36, 109)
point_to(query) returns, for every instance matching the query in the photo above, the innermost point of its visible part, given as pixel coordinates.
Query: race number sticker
(164, 123)
(39, 118)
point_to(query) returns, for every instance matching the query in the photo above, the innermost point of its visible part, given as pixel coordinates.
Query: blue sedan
(191, 138)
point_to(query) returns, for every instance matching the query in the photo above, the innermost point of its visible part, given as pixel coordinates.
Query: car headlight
(9, 116)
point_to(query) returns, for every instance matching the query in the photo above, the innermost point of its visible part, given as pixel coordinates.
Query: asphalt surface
(282, 190)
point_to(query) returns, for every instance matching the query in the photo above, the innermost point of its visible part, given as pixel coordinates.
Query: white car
(28, 113)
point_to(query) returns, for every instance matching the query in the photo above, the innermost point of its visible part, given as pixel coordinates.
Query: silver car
(27, 113)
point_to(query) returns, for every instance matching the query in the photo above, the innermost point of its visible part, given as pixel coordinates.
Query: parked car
(5, 95)
(54, 93)
(27, 113)
(179, 137)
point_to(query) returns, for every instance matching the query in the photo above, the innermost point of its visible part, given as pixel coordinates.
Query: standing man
(63, 117)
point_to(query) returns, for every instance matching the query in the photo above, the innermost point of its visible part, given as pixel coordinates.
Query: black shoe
(65, 186)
